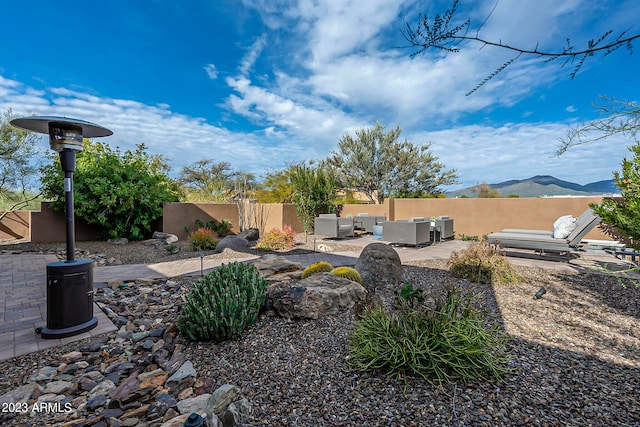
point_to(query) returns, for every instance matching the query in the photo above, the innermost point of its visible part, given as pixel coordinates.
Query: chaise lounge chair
(544, 241)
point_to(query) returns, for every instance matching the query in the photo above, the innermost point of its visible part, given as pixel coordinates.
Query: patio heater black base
(47, 333)
(69, 299)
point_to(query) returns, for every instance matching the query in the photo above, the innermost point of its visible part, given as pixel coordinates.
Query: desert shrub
(223, 303)
(442, 343)
(221, 228)
(316, 267)
(348, 273)
(278, 239)
(482, 263)
(203, 239)
(123, 192)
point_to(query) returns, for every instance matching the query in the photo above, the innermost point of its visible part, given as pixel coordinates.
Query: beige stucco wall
(472, 217)
(48, 225)
(477, 217)
(15, 225)
(177, 216)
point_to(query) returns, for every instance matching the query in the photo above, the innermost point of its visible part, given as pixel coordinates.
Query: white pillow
(561, 219)
(564, 228)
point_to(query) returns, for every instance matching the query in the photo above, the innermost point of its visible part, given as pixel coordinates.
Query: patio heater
(70, 282)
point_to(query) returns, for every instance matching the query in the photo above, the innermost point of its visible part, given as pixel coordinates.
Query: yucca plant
(223, 303)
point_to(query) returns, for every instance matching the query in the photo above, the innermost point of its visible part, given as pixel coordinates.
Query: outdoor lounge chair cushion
(564, 226)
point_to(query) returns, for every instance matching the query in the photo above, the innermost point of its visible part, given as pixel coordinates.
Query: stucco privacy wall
(15, 225)
(177, 216)
(267, 216)
(477, 217)
(472, 217)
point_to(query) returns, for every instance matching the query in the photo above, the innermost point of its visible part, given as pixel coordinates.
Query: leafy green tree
(122, 192)
(621, 215)
(276, 187)
(17, 170)
(376, 164)
(314, 190)
(207, 181)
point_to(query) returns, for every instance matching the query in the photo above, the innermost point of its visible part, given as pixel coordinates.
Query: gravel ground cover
(575, 361)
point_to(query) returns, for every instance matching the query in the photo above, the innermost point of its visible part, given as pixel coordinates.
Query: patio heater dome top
(40, 124)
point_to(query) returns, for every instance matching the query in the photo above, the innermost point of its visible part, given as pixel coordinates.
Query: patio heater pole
(70, 282)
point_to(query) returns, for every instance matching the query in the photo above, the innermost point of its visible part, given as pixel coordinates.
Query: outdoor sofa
(543, 240)
(330, 225)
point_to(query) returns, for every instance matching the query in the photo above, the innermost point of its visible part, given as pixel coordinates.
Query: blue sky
(260, 83)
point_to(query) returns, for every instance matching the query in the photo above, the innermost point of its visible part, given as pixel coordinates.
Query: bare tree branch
(443, 35)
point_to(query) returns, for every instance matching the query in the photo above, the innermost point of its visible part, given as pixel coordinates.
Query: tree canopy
(376, 164)
(17, 170)
(621, 215)
(122, 192)
(207, 180)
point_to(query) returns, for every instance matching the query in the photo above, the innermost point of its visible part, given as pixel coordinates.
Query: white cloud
(211, 71)
(571, 109)
(518, 151)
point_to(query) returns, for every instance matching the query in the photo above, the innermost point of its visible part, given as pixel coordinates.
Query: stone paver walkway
(23, 306)
(23, 284)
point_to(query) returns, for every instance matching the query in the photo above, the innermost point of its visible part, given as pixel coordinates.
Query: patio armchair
(416, 231)
(330, 225)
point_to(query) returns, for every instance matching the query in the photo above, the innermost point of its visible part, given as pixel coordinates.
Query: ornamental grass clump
(483, 263)
(277, 239)
(316, 267)
(223, 303)
(442, 343)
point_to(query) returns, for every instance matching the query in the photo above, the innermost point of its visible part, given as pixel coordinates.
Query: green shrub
(442, 344)
(203, 239)
(123, 192)
(221, 228)
(482, 263)
(316, 267)
(223, 303)
(348, 273)
(278, 239)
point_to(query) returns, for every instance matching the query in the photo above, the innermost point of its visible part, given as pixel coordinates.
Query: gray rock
(167, 238)
(194, 404)
(21, 394)
(105, 387)
(251, 234)
(235, 243)
(380, 267)
(270, 265)
(316, 296)
(58, 387)
(119, 241)
(236, 413)
(221, 398)
(46, 373)
(184, 377)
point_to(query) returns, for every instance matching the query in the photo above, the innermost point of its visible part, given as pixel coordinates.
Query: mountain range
(544, 185)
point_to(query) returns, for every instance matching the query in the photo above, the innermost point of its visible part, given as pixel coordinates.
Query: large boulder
(235, 243)
(316, 296)
(380, 267)
(273, 267)
(251, 234)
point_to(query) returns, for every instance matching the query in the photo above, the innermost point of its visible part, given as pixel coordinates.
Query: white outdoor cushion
(564, 227)
(563, 218)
